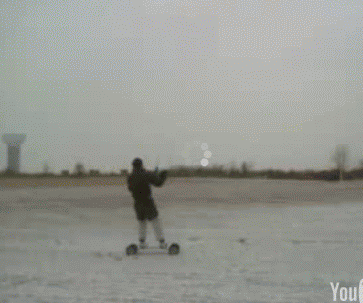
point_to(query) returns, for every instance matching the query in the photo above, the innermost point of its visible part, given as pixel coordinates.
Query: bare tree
(340, 157)
(79, 169)
(46, 168)
(65, 173)
(244, 168)
(247, 167)
(233, 169)
(250, 165)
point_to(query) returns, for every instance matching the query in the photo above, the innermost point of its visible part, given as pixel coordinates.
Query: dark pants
(145, 210)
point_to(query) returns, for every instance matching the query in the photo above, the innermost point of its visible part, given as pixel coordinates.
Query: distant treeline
(221, 172)
(63, 174)
(217, 171)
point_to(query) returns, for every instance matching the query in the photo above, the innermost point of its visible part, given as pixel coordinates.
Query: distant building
(14, 142)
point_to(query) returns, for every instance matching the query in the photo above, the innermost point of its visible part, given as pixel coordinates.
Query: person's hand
(163, 174)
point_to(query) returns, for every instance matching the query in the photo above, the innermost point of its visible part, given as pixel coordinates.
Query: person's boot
(142, 244)
(163, 245)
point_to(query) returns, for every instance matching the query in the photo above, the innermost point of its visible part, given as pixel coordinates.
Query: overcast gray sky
(274, 82)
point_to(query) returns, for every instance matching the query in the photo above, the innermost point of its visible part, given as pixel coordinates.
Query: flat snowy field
(298, 237)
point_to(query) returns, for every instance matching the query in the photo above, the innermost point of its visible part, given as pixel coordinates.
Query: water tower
(14, 141)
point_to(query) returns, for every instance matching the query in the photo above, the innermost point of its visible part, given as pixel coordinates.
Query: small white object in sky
(207, 154)
(204, 162)
(204, 146)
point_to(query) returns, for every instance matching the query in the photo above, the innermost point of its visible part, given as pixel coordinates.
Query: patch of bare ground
(111, 193)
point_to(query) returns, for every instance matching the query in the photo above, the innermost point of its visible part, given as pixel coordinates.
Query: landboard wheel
(131, 250)
(174, 249)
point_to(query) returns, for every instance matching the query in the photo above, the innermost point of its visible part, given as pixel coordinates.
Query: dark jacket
(139, 183)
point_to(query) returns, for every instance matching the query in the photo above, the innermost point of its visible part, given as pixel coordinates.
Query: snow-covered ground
(289, 254)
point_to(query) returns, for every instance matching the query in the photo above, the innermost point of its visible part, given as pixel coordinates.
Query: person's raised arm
(158, 179)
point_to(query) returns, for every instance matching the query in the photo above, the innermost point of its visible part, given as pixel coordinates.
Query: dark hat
(137, 162)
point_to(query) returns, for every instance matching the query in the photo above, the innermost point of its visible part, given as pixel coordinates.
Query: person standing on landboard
(139, 185)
